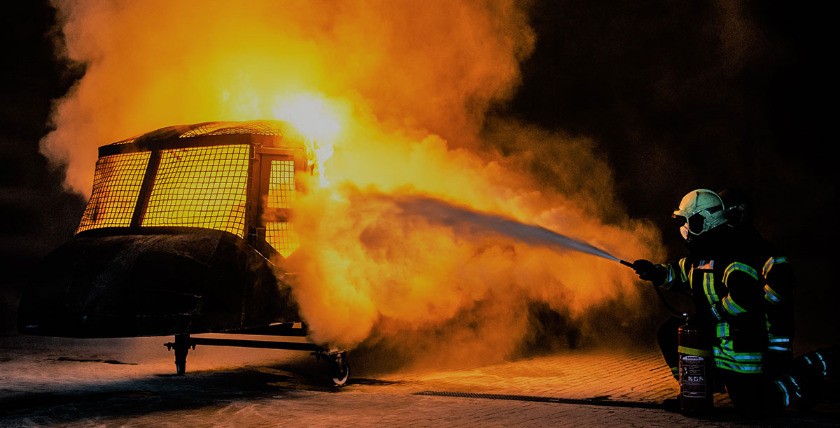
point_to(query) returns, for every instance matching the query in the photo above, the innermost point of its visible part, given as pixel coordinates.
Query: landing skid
(339, 368)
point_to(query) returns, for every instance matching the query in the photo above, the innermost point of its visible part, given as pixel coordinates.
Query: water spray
(464, 218)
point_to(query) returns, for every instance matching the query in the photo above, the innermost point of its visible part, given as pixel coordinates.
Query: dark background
(680, 97)
(677, 95)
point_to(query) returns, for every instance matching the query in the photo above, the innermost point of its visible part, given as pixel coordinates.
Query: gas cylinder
(696, 370)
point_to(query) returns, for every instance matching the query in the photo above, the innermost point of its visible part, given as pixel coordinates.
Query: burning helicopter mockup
(180, 237)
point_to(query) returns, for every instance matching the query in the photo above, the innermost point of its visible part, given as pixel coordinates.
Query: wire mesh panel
(281, 185)
(200, 187)
(116, 185)
(281, 191)
(282, 237)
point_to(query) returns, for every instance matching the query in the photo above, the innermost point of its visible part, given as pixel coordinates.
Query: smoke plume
(416, 82)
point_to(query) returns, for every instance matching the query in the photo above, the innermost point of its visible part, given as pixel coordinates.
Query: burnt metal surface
(163, 281)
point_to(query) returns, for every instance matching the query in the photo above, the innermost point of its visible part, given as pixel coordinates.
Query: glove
(648, 271)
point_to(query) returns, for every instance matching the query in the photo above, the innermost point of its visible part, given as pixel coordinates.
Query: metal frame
(337, 360)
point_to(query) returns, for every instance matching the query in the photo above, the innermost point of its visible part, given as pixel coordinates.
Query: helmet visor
(695, 224)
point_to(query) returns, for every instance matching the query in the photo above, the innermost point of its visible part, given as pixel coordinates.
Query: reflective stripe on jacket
(729, 298)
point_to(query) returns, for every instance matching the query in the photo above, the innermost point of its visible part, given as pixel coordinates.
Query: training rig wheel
(338, 366)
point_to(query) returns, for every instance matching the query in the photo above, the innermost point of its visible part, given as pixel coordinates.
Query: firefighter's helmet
(700, 211)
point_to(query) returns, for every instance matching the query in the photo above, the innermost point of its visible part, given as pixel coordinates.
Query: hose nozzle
(626, 263)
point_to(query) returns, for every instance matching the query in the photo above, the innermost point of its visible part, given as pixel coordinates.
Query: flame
(396, 100)
(320, 121)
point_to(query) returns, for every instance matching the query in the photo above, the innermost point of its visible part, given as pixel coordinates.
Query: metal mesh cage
(281, 190)
(200, 187)
(116, 185)
(199, 176)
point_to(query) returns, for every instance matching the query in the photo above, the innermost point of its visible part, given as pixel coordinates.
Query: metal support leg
(181, 347)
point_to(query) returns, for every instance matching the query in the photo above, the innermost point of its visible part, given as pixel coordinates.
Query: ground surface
(132, 382)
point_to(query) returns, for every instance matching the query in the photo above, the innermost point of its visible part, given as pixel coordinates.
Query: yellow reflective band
(683, 276)
(771, 262)
(693, 351)
(771, 295)
(726, 352)
(732, 307)
(739, 267)
(736, 367)
(738, 362)
(767, 265)
(709, 287)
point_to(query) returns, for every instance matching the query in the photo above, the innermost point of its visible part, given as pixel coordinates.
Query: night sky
(676, 96)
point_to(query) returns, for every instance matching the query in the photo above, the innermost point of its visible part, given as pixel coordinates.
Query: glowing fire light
(317, 119)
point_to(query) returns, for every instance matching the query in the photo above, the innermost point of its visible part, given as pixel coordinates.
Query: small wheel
(181, 368)
(339, 369)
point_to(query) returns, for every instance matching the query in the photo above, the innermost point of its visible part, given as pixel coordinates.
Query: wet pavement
(132, 382)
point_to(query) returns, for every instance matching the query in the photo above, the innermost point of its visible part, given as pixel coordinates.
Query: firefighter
(778, 276)
(742, 291)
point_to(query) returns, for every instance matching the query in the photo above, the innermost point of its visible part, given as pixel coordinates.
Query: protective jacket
(724, 273)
